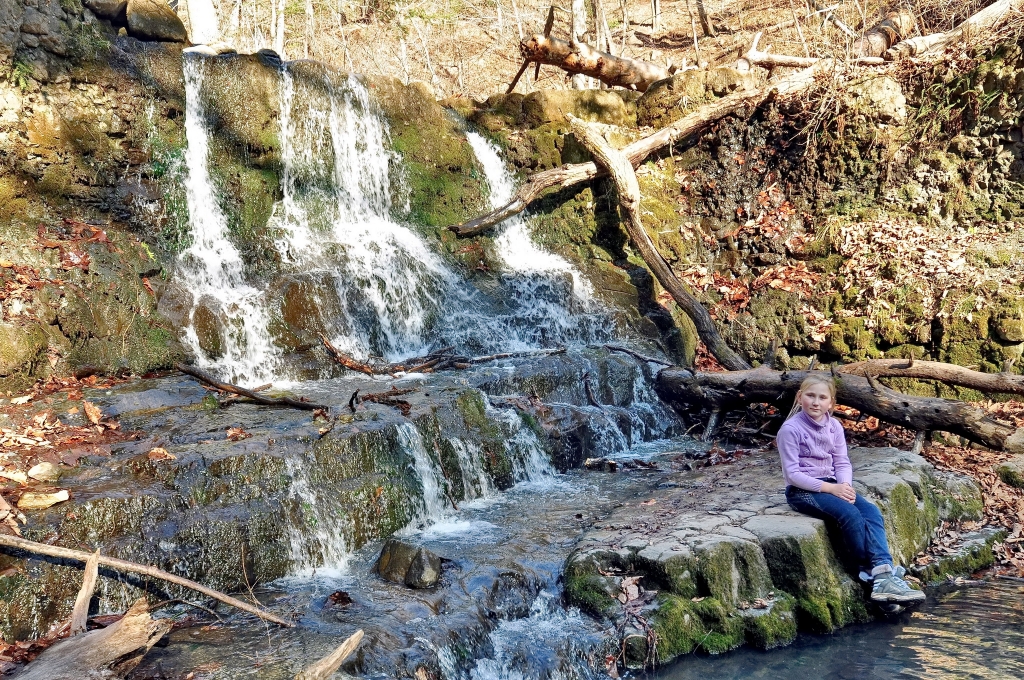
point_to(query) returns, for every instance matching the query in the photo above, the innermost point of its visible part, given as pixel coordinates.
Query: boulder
(116, 11)
(154, 20)
(881, 98)
(407, 564)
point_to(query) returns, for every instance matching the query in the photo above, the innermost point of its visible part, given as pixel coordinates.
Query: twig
(241, 391)
(516, 355)
(589, 390)
(134, 568)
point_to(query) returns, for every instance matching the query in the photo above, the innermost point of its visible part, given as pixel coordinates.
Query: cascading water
(211, 268)
(532, 273)
(348, 267)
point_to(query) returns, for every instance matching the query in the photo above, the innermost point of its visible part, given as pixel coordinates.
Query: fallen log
(880, 37)
(108, 652)
(989, 383)
(583, 59)
(973, 27)
(204, 377)
(326, 666)
(570, 175)
(731, 389)
(142, 569)
(629, 198)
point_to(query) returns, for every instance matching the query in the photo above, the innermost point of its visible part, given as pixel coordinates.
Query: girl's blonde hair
(814, 379)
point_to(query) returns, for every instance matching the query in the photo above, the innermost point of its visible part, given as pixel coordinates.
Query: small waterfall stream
(212, 268)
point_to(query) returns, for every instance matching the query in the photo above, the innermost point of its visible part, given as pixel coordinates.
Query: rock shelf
(723, 561)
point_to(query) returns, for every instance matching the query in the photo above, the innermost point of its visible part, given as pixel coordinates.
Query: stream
(357, 273)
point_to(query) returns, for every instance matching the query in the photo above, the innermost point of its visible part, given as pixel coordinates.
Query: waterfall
(347, 265)
(433, 505)
(211, 268)
(317, 545)
(532, 273)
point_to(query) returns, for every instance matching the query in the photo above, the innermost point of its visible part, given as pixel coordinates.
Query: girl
(819, 478)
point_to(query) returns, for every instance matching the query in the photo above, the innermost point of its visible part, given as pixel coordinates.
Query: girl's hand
(844, 491)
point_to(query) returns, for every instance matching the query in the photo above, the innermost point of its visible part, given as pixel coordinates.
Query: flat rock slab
(732, 563)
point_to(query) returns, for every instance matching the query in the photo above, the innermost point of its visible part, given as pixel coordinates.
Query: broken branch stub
(883, 35)
(621, 170)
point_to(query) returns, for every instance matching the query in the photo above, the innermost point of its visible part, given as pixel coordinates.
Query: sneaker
(866, 576)
(889, 587)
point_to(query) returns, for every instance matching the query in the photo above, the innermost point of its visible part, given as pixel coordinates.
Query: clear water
(970, 632)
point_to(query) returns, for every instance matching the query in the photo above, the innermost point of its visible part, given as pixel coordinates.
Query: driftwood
(251, 394)
(583, 59)
(629, 198)
(990, 383)
(570, 175)
(731, 389)
(973, 27)
(389, 398)
(80, 614)
(880, 37)
(134, 568)
(326, 666)
(768, 60)
(637, 355)
(109, 652)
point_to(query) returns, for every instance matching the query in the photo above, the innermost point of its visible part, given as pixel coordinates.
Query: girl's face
(815, 401)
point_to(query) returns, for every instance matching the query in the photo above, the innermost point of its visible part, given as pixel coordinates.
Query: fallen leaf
(31, 500)
(18, 401)
(237, 434)
(93, 412)
(160, 454)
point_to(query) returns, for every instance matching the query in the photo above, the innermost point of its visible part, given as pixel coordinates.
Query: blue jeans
(860, 523)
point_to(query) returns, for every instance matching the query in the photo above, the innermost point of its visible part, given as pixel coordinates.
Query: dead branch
(731, 389)
(80, 614)
(629, 198)
(109, 652)
(589, 390)
(347, 361)
(326, 666)
(570, 175)
(767, 60)
(243, 392)
(880, 37)
(990, 383)
(516, 355)
(583, 59)
(134, 568)
(974, 26)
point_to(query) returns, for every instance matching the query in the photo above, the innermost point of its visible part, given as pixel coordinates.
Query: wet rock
(35, 22)
(154, 20)
(403, 563)
(209, 328)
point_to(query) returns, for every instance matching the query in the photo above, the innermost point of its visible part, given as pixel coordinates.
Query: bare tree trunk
(279, 33)
(731, 389)
(310, 32)
(204, 27)
(584, 59)
(705, 23)
(579, 27)
(655, 16)
(628, 189)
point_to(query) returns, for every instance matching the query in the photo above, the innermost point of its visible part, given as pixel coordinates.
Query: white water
(317, 544)
(211, 269)
(532, 274)
(433, 506)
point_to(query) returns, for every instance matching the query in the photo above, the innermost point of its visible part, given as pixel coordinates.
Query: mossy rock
(772, 627)
(1011, 471)
(611, 107)
(445, 183)
(242, 102)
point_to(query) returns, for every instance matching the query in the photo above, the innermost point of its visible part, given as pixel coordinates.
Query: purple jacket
(810, 450)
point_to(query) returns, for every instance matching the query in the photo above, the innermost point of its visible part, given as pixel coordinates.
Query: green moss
(588, 591)
(682, 625)
(773, 628)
